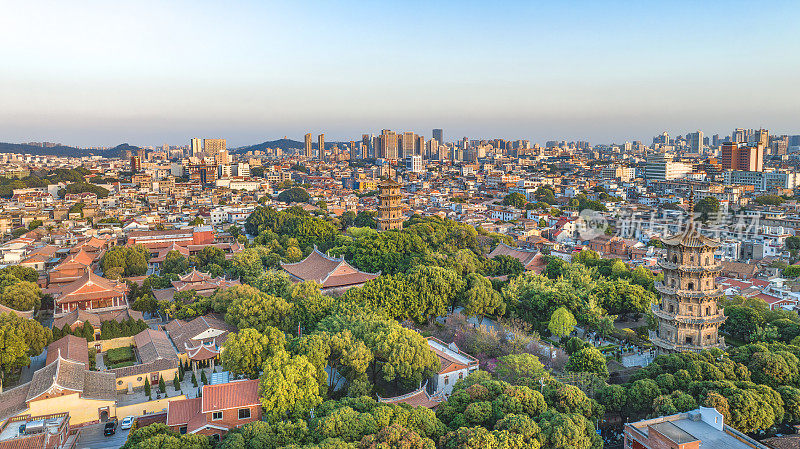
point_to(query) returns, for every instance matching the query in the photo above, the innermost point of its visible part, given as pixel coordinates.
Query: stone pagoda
(389, 211)
(689, 315)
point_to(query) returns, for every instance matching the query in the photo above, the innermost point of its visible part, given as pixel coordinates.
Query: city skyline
(96, 75)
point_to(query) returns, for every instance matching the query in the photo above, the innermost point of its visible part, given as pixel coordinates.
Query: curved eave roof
(692, 239)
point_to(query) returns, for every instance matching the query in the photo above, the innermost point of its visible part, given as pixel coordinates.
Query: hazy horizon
(99, 73)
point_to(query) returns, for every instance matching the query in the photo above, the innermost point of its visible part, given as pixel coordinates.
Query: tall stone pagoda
(689, 315)
(389, 211)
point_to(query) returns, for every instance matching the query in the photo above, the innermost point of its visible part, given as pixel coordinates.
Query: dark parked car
(110, 427)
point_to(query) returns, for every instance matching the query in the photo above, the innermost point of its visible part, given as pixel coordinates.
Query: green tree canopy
(562, 322)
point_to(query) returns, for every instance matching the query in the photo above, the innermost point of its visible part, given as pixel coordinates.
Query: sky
(98, 73)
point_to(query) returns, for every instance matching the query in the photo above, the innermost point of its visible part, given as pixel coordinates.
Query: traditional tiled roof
(13, 400)
(154, 344)
(182, 411)
(162, 253)
(691, 238)
(417, 398)
(90, 286)
(195, 276)
(526, 256)
(201, 282)
(450, 359)
(28, 314)
(328, 271)
(742, 270)
(184, 334)
(99, 385)
(69, 347)
(203, 352)
(96, 319)
(80, 257)
(64, 374)
(239, 393)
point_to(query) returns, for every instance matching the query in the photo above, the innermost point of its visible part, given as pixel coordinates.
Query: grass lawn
(119, 357)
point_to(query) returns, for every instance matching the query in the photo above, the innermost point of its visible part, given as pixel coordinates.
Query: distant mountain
(60, 150)
(64, 151)
(120, 150)
(283, 144)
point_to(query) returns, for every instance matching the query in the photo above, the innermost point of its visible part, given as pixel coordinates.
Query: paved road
(92, 437)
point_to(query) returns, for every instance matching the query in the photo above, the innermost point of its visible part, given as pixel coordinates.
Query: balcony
(663, 289)
(687, 319)
(688, 268)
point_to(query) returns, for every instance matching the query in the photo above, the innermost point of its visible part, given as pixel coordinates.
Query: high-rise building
(388, 145)
(194, 147)
(433, 149)
(321, 145)
(695, 141)
(389, 213)
(742, 156)
(438, 134)
(212, 147)
(739, 135)
(689, 315)
(366, 140)
(354, 151)
(715, 141)
(761, 137)
(309, 150)
(136, 164)
(409, 141)
(222, 157)
(419, 148)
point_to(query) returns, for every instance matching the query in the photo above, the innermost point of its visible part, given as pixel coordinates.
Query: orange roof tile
(240, 393)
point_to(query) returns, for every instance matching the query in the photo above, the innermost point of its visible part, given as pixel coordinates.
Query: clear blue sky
(148, 72)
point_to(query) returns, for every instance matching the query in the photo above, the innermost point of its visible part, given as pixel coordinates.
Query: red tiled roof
(418, 398)
(240, 393)
(182, 411)
(90, 286)
(69, 347)
(202, 352)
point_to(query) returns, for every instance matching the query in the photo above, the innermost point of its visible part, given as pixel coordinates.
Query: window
(182, 430)
(688, 340)
(690, 286)
(216, 416)
(460, 375)
(708, 310)
(446, 380)
(244, 413)
(215, 437)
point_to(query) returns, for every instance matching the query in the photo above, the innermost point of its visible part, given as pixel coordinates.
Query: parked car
(126, 423)
(110, 427)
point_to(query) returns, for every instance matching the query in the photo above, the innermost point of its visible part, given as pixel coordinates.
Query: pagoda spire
(691, 206)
